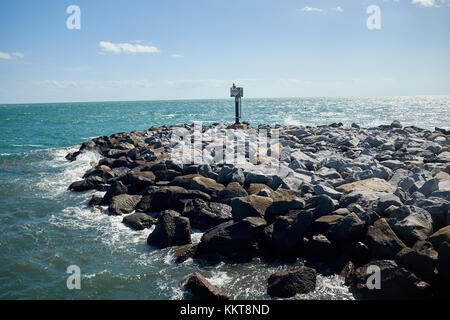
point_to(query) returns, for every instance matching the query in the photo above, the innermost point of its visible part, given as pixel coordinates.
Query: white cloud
(311, 9)
(338, 9)
(5, 55)
(424, 3)
(177, 55)
(126, 48)
(19, 55)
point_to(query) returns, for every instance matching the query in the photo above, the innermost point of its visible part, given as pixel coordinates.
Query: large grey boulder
(382, 241)
(202, 289)
(285, 284)
(206, 215)
(396, 283)
(124, 203)
(250, 206)
(171, 230)
(139, 220)
(232, 238)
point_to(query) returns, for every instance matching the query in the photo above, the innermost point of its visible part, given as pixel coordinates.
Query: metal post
(237, 103)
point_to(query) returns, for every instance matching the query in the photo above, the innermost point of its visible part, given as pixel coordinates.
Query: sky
(195, 49)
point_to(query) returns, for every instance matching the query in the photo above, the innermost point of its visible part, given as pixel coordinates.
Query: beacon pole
(237, 93)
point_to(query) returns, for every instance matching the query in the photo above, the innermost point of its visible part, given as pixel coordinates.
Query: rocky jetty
(357, 200)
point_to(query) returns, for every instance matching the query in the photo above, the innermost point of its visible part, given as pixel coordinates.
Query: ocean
(44, 228)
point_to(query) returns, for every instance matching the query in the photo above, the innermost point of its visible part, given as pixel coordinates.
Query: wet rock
(250, 206)
(95, 201)
(173, 198)
(123, 203)
(205, 215)
(140, 179)
(183, 253)
(382, 240)
(232, 238)
(117, 188)
(171, 230)
(139, 220)
(285, 284)
(396, 283)
(202, 289)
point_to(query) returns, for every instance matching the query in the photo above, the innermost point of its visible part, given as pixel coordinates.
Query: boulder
(421, 259)
(382, 241)
(173, 198)
(288, 230)
(322, 189)
(205, 215)
(207, 185)
(412, 229)
(324, 224)
(285, 284)
(116, 188)
(429, 187)
(319, 248)
(185, 252)
(350, 228)
(372, 184)
(396, 283)
(387, 200)
(232, 238)
(140, 179)
(139, 220)
(255, 188)
(440, 236)
(283, 202)
(123, 203)
(171, 230)
(320, 205)
(183, 181)
(202, 289)
(227, 175)
(250, 206)
(233, 190)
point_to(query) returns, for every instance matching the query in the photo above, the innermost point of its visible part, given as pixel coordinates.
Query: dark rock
(412, 229)
(124, 203)
(139, 220)
(319, 248)
(228, 174)
(140, 179)
(421, 260)
(288, 230)
(255, 188)
(183, 181)
(444, 262)
(202, 289)
(324, 224)
(387, 200)
(171, 230)
(440, 236)
(320, 205)
(233, 190)
(396, 283)
(183, 253)
(250, 206)
(285, 284)
(207, 185)
(350, 228)
(116, 189)
(204, 215)
(173, 198)
(95, 201)
(232, 238)
(283, 202)
(382, 241)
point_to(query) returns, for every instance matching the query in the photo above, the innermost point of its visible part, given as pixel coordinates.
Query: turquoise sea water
(44, 228)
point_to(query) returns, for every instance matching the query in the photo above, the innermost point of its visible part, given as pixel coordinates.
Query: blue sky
(180, 49)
